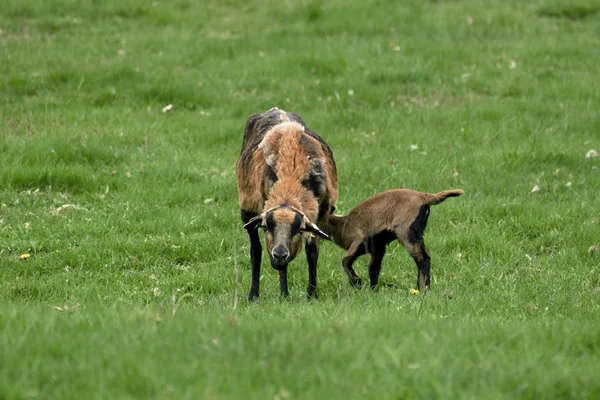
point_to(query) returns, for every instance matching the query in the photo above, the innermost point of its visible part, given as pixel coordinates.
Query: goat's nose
(280, 253)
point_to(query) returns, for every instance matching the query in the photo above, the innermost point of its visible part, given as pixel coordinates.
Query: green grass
(130, 293)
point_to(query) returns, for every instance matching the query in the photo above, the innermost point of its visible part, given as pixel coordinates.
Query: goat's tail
(437, 198)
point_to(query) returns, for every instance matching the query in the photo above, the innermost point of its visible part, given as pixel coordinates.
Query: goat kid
(400, 214)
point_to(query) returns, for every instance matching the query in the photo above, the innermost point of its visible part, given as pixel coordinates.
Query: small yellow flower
(414, 291)
(25, 256)
(399, 308)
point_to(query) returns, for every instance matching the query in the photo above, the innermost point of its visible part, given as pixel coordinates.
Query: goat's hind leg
(356, 250)
(417, 251)
(413, 241)
(422, 259)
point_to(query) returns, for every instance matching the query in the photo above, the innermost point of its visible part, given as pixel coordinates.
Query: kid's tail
(437, 198)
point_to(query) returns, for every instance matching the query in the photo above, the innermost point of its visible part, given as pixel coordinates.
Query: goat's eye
(296, 225)
(270, 223)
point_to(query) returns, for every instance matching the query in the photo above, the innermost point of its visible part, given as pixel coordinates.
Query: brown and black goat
(287, 185)
(400, 214)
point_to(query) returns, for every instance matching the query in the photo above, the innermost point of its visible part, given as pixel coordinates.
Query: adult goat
(287, 185)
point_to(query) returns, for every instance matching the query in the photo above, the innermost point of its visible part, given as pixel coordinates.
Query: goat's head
(284, 228)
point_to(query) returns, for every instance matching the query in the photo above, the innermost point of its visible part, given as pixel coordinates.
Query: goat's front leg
(312, 256)
(375, 264)
(255, 260)
(255, 257)
(283, 282)
(356, 250)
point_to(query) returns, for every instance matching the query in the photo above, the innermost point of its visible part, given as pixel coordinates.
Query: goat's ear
(254, 223)
(312, 228)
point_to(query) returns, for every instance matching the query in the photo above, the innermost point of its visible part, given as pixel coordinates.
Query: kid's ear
(312, 228)
(254, 223)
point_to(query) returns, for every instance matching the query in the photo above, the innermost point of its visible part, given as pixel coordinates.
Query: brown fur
(284, 169)
(284, 216)
(395, 214)
(295, 153)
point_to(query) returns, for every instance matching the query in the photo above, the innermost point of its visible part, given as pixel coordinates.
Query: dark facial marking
(270, 222)
(296, 224)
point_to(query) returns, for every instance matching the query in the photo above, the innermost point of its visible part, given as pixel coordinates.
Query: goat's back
(255, 176)
(386, 209)
(391, 208)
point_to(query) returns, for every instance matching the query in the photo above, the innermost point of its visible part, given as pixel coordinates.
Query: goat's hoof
(252, 296)
(312, 294)
(423, 288)
(357, 283)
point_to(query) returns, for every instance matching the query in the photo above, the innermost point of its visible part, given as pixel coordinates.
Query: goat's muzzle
(280, 257)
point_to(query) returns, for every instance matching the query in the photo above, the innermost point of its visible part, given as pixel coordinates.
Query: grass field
(130, 217)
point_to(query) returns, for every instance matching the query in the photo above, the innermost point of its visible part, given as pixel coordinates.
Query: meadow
(120, 229)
